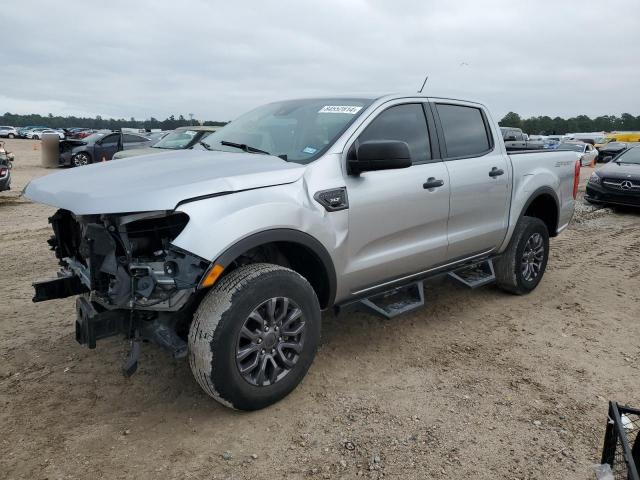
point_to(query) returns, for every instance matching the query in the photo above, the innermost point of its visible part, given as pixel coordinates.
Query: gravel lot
(478, 384)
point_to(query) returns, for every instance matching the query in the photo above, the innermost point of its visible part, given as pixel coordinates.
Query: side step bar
(476, 275)
(395, 302)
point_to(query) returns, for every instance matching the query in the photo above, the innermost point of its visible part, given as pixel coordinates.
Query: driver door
(106, 148)
(397, 225)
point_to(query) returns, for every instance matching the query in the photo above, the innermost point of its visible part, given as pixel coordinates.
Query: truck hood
(158, 182)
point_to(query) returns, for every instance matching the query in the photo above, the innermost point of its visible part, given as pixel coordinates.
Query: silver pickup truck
(229, 253)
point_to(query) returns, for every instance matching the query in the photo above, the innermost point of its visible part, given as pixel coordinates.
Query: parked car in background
(48, 131)
(5, 168)
(600, 142)
(8, 132)
(586, 152)
(228, 256)
(98, 147)
(182, 138)
(618, 182)
(610, 150)
(515, 139)
(22, 131)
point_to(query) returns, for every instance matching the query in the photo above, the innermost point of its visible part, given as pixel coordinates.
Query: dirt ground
(478, 384)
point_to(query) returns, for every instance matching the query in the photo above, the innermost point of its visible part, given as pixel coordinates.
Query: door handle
(432, 182)
(496, 172)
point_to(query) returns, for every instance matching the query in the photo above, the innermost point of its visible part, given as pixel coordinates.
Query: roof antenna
(423, 84)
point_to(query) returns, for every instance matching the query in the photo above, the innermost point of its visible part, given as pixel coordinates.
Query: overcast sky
(146, 58)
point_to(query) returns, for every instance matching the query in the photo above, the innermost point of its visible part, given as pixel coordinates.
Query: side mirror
(510, 138)
(607, 159)
(379, 155)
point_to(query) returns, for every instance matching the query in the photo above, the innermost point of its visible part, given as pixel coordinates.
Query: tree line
(545, 125)
(56, 121)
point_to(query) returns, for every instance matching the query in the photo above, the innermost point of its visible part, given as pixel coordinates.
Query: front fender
(217, 223)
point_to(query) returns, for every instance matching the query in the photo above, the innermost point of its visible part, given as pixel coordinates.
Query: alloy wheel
(270, 341)
(532, 257)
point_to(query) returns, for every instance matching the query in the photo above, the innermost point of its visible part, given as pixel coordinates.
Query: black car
(618, 182)
(99, 147)
(5, 175)
(610, 150)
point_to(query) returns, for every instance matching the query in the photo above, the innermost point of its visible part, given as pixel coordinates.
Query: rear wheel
(254, 336)
(521, 267)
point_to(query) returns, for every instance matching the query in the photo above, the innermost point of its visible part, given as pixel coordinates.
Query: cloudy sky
(216, 59)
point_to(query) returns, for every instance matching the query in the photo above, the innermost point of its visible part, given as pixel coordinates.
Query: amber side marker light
(211, 276)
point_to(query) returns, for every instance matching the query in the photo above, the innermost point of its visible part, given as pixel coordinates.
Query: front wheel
(254, 336)
(35, 137)
(11, 135)
(521, 267)
(80, 159)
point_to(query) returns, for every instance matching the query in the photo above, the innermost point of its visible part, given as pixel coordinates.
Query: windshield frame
(365, 102)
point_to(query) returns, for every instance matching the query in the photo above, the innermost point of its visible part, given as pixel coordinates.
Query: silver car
(226, 254)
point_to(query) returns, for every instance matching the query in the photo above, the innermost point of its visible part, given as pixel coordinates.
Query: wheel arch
(304, 254)
(544, 204)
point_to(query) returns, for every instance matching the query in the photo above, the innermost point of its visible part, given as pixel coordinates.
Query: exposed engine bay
(133, 280)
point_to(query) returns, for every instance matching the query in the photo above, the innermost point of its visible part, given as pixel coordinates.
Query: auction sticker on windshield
(340, 109)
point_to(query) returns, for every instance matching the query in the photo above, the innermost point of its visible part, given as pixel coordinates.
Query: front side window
(405, 123)
(297, 130)
(110, 139)
(465, 132)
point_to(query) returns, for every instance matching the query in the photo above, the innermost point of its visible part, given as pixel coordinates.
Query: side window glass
(128, 138)
(465, 133)
(405, 123)
(110, 139)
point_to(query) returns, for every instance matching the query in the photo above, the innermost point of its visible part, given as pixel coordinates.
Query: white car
(8, 132)
(586, 151)
(38, 133)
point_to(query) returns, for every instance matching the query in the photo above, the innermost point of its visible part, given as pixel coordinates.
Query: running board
(397, 301)
(475, 275)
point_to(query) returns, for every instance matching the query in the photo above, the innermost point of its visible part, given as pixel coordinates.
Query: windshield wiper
(243, 147)
(205, 145)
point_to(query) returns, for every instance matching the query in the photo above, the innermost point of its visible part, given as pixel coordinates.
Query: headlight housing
(595, 178)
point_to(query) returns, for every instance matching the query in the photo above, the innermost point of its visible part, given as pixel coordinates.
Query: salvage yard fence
(622, 442)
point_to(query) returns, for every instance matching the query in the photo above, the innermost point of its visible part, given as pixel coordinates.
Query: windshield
(177, 140)
(576, 147)
(300, 129)
(630, 156)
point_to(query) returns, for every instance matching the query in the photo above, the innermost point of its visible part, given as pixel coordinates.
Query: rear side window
(405, 123)
(465, 132)
(111, 139)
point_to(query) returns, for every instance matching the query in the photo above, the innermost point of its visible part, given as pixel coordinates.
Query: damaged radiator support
(133, 281)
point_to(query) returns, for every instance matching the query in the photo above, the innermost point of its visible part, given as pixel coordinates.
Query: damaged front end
(131, 279)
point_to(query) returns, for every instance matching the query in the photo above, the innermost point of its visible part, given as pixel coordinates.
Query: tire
(510, 268)
(218, 336)
(80, 159)
(11, 136)
(35, 137)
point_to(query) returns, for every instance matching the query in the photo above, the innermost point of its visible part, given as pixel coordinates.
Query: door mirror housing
(379, 155)
(510, 138)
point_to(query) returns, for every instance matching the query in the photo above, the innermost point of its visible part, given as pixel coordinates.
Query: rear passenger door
(479, 177)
